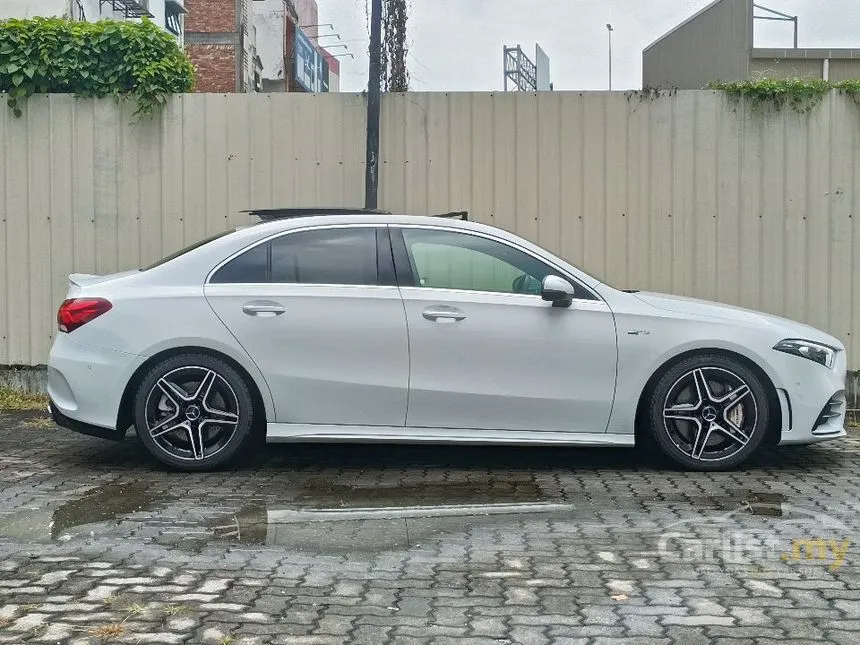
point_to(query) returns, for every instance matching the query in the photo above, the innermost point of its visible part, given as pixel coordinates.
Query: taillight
(75, 312)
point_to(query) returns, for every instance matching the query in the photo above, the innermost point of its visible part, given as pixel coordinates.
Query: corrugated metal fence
(685, 193)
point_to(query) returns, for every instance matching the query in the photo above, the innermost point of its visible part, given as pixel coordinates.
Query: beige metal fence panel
(686, 192)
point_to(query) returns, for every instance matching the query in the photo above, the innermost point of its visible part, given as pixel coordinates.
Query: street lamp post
(609, 31)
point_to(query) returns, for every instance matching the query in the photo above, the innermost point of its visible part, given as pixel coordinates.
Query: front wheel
(193, 412)
(709, 412)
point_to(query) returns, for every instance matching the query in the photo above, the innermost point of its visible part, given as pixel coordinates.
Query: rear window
(188, 248)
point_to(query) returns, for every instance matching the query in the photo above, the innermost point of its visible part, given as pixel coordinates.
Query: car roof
(274, 225)
(269, 214)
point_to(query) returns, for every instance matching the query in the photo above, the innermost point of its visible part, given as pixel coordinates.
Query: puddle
(91, 511)
(324, 494)
(368, 528)
(103, 504)
(372, 516)
(754, 503)
(767, 504)
(308, 514)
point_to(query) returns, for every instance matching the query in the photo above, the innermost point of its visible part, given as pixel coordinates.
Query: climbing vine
(395, 76)
(850, 88)
(801, 94)
(106, 58)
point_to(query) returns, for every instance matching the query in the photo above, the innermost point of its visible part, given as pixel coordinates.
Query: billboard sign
(310, 68)
(542, 65)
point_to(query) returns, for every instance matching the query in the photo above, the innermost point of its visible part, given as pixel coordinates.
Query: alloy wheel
(710, 414)
(192, 413)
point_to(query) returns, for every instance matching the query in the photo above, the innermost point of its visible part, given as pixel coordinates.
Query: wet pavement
(417, 544)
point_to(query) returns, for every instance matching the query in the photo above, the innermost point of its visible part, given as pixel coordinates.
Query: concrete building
(167, 14)
(716, 44)
(220, 40)
(287, 36)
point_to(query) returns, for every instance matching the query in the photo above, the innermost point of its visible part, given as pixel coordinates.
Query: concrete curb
(22, 377)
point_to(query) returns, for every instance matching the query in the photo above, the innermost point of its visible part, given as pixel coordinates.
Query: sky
(456, 45)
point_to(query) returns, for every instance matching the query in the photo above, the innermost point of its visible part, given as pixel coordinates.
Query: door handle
(443, 314)
(263, 308)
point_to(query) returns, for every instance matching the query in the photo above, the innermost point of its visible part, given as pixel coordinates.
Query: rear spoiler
(83, 279)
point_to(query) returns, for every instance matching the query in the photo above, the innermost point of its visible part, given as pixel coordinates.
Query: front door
(314, 312)
(486, 351)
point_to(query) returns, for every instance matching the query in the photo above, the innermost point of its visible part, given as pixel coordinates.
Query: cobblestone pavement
(379, 545)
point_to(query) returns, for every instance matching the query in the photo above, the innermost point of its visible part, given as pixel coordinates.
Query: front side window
(325, 256)
(451, 260)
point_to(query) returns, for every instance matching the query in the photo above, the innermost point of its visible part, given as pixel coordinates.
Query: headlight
(807, 349)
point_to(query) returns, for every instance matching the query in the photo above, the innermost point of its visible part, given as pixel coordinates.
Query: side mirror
(557, 290)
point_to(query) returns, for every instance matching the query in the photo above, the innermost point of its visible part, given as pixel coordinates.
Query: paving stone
(642, 625)
(528, 636)
(698, 620)
(687, 635)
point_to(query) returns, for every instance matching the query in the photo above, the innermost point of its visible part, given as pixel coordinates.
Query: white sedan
(335, 326)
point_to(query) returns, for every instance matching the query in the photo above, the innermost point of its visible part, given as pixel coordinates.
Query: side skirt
(286, 432)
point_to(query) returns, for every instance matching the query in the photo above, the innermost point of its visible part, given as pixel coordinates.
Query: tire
(708, 413)
(194, 412)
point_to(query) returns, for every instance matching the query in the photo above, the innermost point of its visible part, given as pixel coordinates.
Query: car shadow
(131, 455)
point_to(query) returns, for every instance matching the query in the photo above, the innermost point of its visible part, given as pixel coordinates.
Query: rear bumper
(83, 428)
(86, 383)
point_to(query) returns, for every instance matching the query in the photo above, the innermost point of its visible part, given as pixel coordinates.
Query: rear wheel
(709, 412)
(193, 412)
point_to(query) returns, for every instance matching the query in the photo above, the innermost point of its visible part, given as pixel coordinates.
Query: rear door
(319, 313)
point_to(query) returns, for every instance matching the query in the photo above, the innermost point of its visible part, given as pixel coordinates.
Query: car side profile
(375, 327)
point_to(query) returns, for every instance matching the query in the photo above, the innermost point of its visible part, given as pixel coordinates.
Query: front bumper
(815, 397)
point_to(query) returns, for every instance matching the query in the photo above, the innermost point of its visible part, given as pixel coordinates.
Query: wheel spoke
(699, 441)
(220, 416)
(731, 431)
(682, 412)
(183, 425)
(205, 387)
(173, 392)
(734, 397)
(702, 386)
(195, 438)
(160, 425)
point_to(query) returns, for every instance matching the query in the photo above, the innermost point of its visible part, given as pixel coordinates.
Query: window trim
(403, 267)
(379, 269)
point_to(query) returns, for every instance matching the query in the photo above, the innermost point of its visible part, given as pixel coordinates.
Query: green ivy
(801, 94)
(105, 58)
(851, 88)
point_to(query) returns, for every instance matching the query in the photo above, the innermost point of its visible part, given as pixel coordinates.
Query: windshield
(188, 248)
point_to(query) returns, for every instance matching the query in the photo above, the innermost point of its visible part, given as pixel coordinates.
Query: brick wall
(210, 16)
(216, 67)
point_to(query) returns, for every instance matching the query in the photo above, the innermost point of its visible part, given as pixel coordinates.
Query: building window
(173, 11)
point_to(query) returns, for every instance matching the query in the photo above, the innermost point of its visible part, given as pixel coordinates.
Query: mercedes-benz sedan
(374, 327)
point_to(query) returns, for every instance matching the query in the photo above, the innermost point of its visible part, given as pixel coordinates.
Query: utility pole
(371, 170)
(609, 30)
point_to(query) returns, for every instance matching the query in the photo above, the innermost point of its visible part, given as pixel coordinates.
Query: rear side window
(250, 267)
(328, 256)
